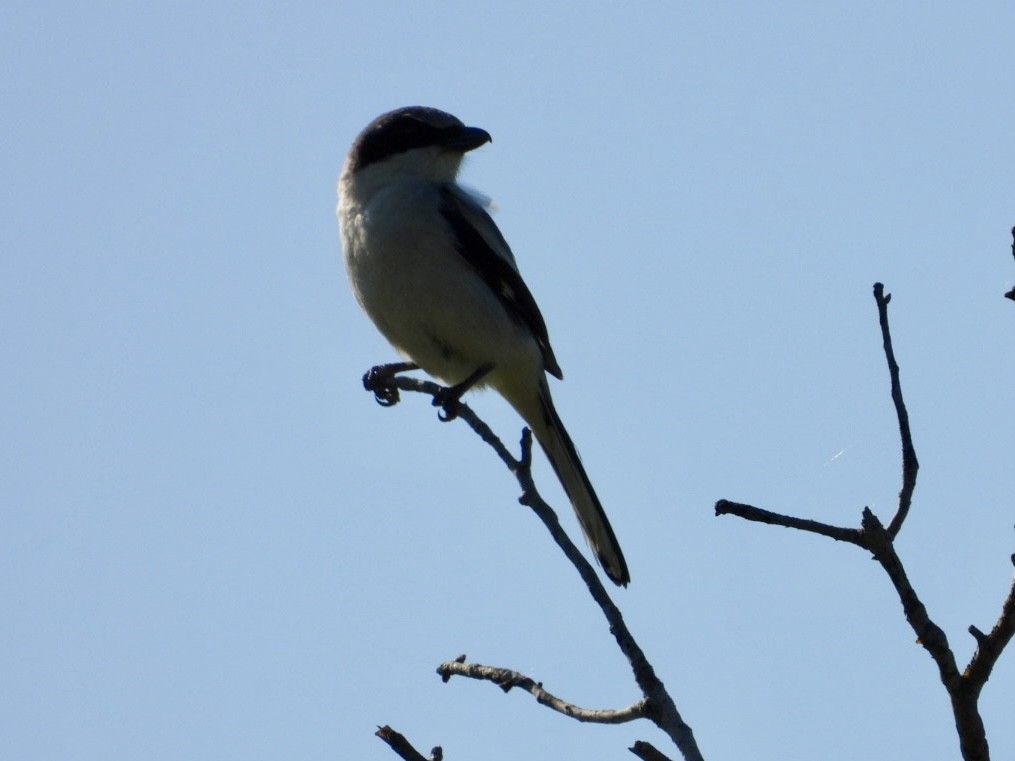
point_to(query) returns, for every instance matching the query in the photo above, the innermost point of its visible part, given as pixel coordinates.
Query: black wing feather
(496, 271)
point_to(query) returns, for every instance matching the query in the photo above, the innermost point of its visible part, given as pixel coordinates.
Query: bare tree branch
(507, 679)
(656, 705)
(756, 514)
(878, 541)
(990, 646)
(910, 466)
(462, 410)
(963, 688)
(403, 747)
(647, 752)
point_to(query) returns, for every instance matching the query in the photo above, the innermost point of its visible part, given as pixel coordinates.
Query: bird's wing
(481, 244)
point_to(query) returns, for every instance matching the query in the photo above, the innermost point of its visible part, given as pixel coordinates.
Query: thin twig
(756, 514)
(910, 466)
(463, 411)
(507, 679)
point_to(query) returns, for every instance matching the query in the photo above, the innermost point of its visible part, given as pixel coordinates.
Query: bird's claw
(448, 401)
(381, 382)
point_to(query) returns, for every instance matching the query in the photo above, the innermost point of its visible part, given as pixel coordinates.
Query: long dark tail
(560, 451)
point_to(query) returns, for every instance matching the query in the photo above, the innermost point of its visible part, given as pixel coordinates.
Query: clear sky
(214, 545)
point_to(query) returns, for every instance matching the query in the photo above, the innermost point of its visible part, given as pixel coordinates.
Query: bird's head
(414, 141)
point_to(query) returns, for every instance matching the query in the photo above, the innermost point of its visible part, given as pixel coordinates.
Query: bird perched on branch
(431, 269)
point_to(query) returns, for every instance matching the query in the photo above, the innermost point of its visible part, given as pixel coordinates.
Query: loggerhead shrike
(433, 272)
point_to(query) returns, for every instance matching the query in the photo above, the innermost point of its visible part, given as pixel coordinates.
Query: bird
(435, 275)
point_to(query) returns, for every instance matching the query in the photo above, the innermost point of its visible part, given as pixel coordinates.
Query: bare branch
(403, 747)
(963, 688)
(462, 410)
(990, 646)
(657, 705)
(929, 634)
(910, 466)
(756, 514)
(647, 752)
(506, 679)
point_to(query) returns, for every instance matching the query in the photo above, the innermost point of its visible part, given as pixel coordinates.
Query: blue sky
(215, 545)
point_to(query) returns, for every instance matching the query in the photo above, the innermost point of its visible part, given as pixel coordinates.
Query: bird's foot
(449, 405)
(380, 380)
(449, 398)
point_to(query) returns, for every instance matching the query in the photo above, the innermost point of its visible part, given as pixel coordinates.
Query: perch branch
(656, 705)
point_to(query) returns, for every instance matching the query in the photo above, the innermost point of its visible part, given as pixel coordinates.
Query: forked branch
(963, 687)
(656, 704)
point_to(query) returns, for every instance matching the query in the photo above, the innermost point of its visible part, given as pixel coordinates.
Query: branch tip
(910, 465)
(403, 747)
(525, 460)
(647, 752)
